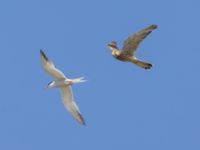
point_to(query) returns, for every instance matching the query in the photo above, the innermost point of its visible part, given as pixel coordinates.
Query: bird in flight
(64, 83)
(127, 54)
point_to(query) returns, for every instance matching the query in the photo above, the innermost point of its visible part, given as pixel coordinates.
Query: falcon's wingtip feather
(153, 26)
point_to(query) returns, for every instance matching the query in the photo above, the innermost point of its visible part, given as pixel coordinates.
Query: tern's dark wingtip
(43, 54)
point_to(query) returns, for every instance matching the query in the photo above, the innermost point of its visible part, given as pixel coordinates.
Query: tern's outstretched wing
(67, 98)
(50, 68)
(132, 42)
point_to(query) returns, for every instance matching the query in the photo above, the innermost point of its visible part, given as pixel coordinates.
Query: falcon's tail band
(142, 64)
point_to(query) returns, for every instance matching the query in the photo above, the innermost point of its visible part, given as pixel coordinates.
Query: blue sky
(125, 107)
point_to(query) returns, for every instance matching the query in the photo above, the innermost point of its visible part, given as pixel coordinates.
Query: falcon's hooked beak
(108, 46)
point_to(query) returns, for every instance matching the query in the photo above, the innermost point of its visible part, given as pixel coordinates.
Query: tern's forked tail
(78, 80)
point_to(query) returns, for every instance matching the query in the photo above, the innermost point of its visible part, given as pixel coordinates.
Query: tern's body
(127, 54)
(64, 84)
(59, 83)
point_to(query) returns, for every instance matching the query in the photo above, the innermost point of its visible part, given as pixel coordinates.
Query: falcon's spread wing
(132, 42)
(50, 68)
(67, 98)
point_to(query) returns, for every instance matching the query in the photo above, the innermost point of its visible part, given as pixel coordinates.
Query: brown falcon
(127, 54)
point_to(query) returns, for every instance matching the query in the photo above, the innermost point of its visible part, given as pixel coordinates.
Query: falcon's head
(112, 45)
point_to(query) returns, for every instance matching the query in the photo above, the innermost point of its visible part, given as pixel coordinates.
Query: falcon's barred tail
(142, 64)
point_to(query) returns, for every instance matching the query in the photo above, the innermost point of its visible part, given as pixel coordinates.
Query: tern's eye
(49, 83)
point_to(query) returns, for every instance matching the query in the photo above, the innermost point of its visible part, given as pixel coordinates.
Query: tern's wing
(50, 68)
(132, 42)
(67, 98)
